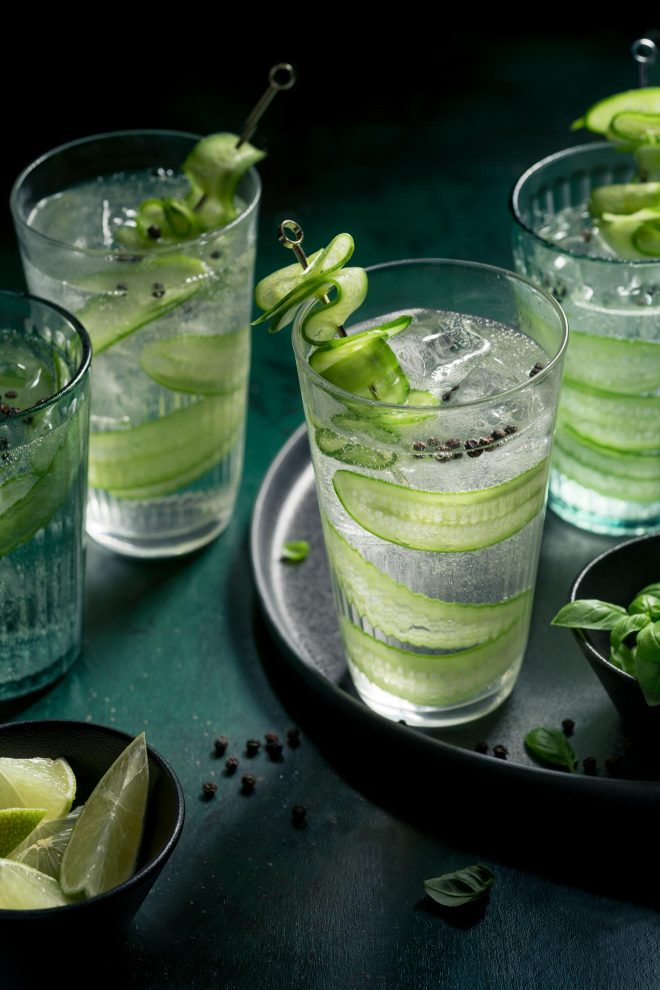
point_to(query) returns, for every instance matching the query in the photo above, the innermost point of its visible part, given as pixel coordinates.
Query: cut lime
(131, 295)
(44, 847)
(15, 824)
(199, 365)
(103, 849)
(443, 521)
(25, 889)
(37, 783)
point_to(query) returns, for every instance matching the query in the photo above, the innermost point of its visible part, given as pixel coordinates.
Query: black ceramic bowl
(90, 750)
(616, 576)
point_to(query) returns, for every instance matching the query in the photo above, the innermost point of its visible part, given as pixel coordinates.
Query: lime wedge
(15, 824)
(37, 783)
(44, 847)
(104, 846)
(25, 889)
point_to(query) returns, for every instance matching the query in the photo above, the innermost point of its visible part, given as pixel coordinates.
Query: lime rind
(44, 847)
(103, 849)
(15, 825)
(37, 783)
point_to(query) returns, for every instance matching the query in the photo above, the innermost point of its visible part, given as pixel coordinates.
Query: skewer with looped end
(294, 243)
(281, 77)
(645, 53)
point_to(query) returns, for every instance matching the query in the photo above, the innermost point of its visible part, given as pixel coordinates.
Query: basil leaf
(651, 589)
(589, 613)
(460, 887)
(623, 657)
(625, 627)
(647, 662)
(294, 551)
(551, 746)
(646, 604)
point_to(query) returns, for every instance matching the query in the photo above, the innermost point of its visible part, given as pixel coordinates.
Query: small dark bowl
(616, 576)
(90, 750)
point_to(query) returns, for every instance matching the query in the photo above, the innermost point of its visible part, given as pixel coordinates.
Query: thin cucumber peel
(448, 522)
(199, 365)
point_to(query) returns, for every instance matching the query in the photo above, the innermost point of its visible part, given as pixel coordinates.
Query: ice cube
(439, 350)
(491, 376)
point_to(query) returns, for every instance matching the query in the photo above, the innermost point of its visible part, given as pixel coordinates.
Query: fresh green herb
(460, 887)
(634, 634)
(294, 551)
(551, 746)
(589, 613)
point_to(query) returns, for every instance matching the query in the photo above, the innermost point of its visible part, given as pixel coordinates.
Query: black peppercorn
(209, 789)
(481, 747)
(567, 726)
(248, 783)
(500, 751)
(252, 747)
(231, 766)
(220, 745)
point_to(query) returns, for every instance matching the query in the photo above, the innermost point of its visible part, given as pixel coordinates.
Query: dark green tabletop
(413, 162)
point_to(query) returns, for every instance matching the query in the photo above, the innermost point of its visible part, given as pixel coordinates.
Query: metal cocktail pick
(645, 52)
(295, 244)
(287, 78)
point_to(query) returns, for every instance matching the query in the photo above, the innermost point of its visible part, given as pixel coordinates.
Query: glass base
(40, 679)
(398, 710)
(597, 513)
(175, 545)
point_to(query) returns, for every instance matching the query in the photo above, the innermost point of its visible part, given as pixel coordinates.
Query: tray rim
(599, 788)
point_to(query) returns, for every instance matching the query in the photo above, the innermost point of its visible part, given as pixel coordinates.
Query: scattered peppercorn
(567, 726)
(248, 783)
(510, 429)
(481, 747)
(299, 815)
(220, 745)
(588, 234)
(419, 445)
(274, 750)
(252, 747)
(271, 737)
(293, 736)
(154, 232)
(500, 751)
(216, 254)
(11, 394)
(157, 290)
(472, 448)
(589, 766)
(535, 370)
(231, 766)
(498, 434)
(433, 442)
(443, 456)
(121, 287)
(209, 789)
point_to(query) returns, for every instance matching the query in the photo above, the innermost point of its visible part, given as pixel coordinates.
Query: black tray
(555, 682)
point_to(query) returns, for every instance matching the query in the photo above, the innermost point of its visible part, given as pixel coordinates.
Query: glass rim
(85, 360)
(101, 253)
(514, 206)
(344, 396)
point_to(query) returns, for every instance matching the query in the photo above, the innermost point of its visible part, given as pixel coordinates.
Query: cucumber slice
(323, 321)
(646, 238)
(274, 288)
(434, 680)
(200, 365)
(333, 445)
(365, 428)
(362, 364)
(216, 166)
(391, 418)
(163, 455)
(625, 422)
(129, 296)
(447, 522)
(624, 198)
(617, 474)
(627, 366)
(599, 117)
(414, 618)
(620, 231)
(638, 128)
(28, 501)
(647, 157)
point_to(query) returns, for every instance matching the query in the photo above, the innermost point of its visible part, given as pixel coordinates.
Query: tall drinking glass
(44, 419)
(169, 327)
(433, 510)
(605, 473)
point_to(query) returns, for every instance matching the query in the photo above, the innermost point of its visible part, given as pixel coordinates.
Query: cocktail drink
(606, 466)
(430, 428)
(44, 416)
(111, 228)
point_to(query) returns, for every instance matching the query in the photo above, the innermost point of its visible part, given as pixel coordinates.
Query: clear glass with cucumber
(44, 414)
(149, 238)
(588, 230)
(430, 427)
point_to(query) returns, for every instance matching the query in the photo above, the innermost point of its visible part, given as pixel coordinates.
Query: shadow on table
(599, 838)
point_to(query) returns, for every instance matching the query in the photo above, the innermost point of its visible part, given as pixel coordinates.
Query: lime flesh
(25, 889)
(37, 783)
